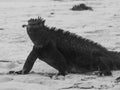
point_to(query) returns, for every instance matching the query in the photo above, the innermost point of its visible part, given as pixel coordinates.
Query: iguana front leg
(28, 64)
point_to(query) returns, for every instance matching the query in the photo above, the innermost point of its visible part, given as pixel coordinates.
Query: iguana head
(34, 29)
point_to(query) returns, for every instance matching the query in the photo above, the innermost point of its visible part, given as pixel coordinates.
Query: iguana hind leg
(103, 66)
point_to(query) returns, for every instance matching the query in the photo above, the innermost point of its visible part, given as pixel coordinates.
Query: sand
(100, 25)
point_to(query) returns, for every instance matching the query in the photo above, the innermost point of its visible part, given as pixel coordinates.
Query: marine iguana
(66, 51)
(81, 7)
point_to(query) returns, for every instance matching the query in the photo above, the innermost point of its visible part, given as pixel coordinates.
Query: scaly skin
(67, 52)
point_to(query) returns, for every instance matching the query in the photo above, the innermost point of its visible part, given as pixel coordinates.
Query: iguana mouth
(24, 25)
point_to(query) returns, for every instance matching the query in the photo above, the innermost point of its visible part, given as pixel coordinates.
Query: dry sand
(100, 25)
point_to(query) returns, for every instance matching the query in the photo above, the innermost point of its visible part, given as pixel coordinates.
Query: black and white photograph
(59, 44)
